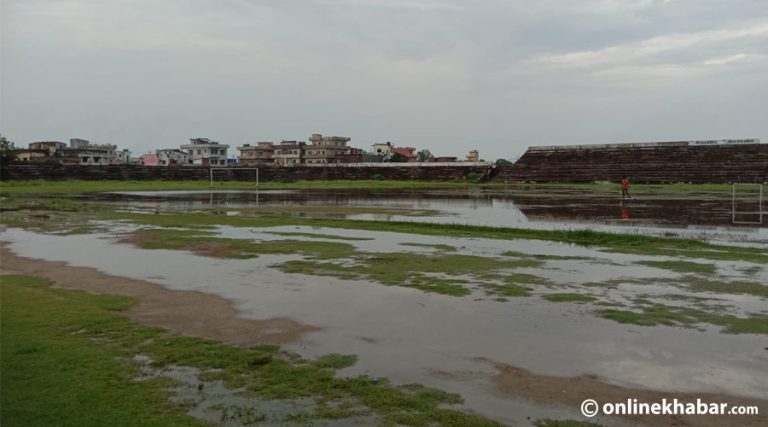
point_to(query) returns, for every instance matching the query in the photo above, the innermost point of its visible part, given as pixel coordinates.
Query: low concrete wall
(268, 173)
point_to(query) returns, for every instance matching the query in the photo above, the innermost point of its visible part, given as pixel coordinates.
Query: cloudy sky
(447, 75)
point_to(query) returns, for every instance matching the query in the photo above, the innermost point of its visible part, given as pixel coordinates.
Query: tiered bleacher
(654, 162)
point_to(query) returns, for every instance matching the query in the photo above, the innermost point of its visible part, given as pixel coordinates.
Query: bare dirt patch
(571, 391)
(188, 312)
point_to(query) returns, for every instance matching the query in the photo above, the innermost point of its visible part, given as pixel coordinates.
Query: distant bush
(378, 177)
(475, 176)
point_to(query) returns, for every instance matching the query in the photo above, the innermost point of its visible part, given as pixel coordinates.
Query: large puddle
(438, 340)
(702, 214)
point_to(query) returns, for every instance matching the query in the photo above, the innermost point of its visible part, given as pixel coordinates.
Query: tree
(397, 158)
(503, 162)
(7, 150)
(423, 155)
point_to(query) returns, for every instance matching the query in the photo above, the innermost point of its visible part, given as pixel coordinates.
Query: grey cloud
(445, 75)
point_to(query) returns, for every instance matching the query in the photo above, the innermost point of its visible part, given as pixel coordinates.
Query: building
(408, 153)
(52, 147)
(41, 152)
(149, 159)
(172, 157)
(203, 151)
(123, 157)
(442, 159)
(289, 153)
(263, 153)
(473, 156)
(384, 150)
(82, 152)
(326, 149)
(352, 155)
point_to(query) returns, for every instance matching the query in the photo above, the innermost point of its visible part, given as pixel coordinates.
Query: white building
(172, 156)
(384, 149)
(203, 151)
(82, 152)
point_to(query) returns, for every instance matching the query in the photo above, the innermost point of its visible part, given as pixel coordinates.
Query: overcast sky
(446, 75)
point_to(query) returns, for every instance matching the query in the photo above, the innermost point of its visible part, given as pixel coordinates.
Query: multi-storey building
(289, 153)
(171, 157)
(382, 149)
(263, 153)
(82, 152)
(473, 156)
(326, 149)
(203, 151)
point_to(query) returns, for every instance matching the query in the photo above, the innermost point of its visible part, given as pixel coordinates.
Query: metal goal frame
(759, 213)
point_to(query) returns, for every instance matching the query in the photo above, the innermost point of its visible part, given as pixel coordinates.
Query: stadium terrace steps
(653, 164)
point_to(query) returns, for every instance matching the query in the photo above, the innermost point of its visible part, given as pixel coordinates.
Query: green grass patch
(681, 266)
(204, 243)
(54, 373)
(427, 272)
(568, 297)
(612, 242)
(651, 314)
(545, 256)
(75, 186)
(700, 284)
(529, 279)
(319, 236)
(507, 290)
(67, 359)
(438, 246)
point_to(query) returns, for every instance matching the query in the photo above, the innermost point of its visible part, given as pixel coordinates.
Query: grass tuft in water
(651, 314)
(568, 297)
(681, 266)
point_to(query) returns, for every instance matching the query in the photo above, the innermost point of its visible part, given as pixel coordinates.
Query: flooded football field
(549, 312)
(700, 214)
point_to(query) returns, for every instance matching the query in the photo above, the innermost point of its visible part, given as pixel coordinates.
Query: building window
(198, 152)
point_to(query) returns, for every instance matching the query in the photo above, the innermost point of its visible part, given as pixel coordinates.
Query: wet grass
(611, 242)
(68, 360)
(439, 247)
(204, 243)
(700, 284)
(530, 279)
(651, 314)
(75, 186)
(681, 266)
(329, 211)
(54, 373)
(427, 272)
(545, 256)
(319, 236)
(507, 290)
(568, 297)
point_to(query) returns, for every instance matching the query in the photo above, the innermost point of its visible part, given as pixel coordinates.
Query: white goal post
(737, 199)
(241, 169)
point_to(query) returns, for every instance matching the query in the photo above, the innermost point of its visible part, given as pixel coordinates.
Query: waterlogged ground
(515, 325)
(704, 214)
(450, 312)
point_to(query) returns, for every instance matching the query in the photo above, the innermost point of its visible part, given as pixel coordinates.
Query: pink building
(149, 159)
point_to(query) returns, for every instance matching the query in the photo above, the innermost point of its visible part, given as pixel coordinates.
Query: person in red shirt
(625, 188)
